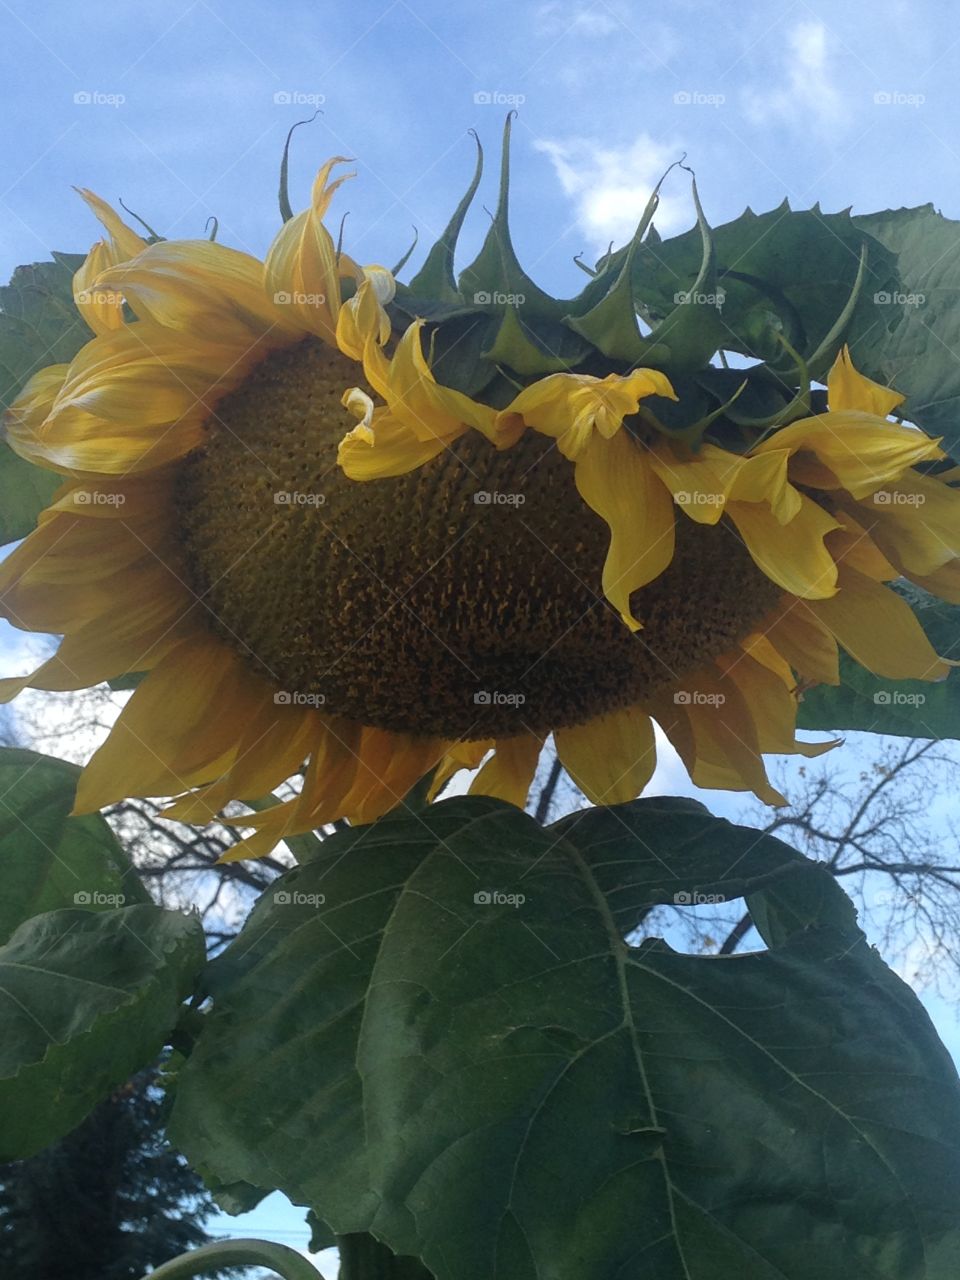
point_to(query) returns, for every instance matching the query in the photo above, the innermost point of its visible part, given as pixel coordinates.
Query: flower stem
(237, 1253)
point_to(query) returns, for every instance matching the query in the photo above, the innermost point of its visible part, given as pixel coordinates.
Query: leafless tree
(877, 814)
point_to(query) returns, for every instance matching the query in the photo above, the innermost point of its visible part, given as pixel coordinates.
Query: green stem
(237, 1253)
(364, 1258)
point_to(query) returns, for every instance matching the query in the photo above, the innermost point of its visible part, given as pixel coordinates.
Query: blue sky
(182, 121)
(181, 109)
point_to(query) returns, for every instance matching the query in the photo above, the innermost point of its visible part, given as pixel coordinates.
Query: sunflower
(449, 581)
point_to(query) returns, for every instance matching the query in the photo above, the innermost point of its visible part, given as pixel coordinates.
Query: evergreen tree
(106, 1202)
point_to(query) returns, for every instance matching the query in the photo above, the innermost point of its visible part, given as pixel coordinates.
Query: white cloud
(610, 186)
(805, 92)
(557, 18)
(631, 39)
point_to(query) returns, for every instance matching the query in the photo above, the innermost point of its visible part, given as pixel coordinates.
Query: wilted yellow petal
(509, 772)
(615, 479)
(848, 389)
(301, 269)
(612, 757)
(794, 555)
(879, 629)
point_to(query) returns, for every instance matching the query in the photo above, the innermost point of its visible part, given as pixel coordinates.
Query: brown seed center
(463, 599)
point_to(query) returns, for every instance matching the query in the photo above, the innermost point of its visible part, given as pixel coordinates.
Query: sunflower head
(362, 531)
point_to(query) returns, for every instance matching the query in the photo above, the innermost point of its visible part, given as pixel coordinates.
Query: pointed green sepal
(611, 324)
(819, 363)
(517, 346)
(435, 279)
(406, 257)
(283, 194)
(153, 237)
(694, 330)
(495, 277)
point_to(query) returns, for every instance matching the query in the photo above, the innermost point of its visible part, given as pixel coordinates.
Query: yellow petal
(363, 321)
(806, 644)
(72, 570)
(136, 399)
(329, 775)
(672, 718)
(943, 582)
(793, 555)
(915, 522)
(156, 615)
(301, 270)
(727, 745)
(879, 629)
(180, 728)
(100, 306)
(764, 651)
(853, 546)
(860, 450)
(612, 757)
(389, 765)
(848, 389)
(387, 447)
(705, 483)
(772, 706)
(429, 409)
(700, 485)
(124, 241)
(273, 746)
(459, 755)
(509, 772)
(615, 480)
(363, 328)
(200, 287)
(29, 411)
(572, 406)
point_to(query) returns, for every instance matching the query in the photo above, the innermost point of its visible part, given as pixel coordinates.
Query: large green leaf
(86, 999)
(434, 1032)
(47, 858)
(905, 708)
(24, 492)
(39, 325)
(763, 264)
(908, 332)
